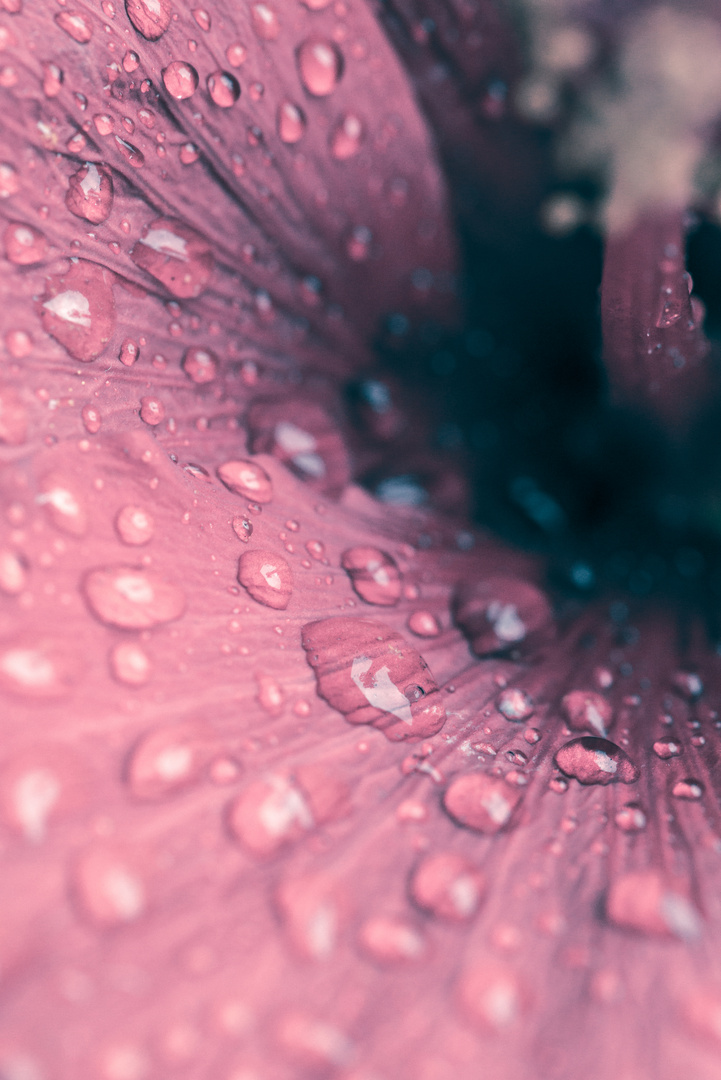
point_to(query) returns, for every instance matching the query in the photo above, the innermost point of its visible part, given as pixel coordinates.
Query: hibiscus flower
(303, 774)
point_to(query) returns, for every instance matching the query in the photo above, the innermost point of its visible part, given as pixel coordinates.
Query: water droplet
(515, 704)
(314, 1045)
(390, 940)
(315, 5)
(13, 575)
(13, 418)
(200, 365)
(316, 549)
(152, 411)
(129, 353)
(132, 154)
(24, 245)
(688, 789)
(311, 915)
(189, 153)
(290, 123)
(18, 343)
(424, 624)
(38, 670)
(107, 888)
(224, 89)
(267, 577)
(320, 66)
(630, 818)
(279, 809)
(271, 697)
(92, 419)
(448, 886)
(134, 525)
(247, 479)
(645, 902)
(62, 505)
(129, 664)
(667, 748)
(132, 599)
(9, 180)
(585, 710)
(76, 25)
(362, 669)
(373, 574)
(202, 17)
(481, 802)
(501, 613)
(164, 762)
(52, 79)
(180, 79)
(151, 18)
(596, 761)
(242, 528)
(176, 255)
(687, 684)
(103, 123)
(78, 309)
(346, 137)
(491, 998)
(236, 54)
(265, 22)
(90, 193)
(33, 789)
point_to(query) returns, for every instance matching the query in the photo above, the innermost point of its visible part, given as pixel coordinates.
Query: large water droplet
(132, 599)
(482, 802)
(247, 479)
(107, 888)
(646, 902)
(164, 762)
(320, 66)
(24, 245)
(176, 255)
(151, 18)
(200, 365)
(373, 574)
(448, 886)
(585, 710)
(502, 613)
(134, 525)
(278, 809)
(152, 411)
(78, 309)
(224, 89)
(267, 577)
(290, 122)
(596, 761)
(90, 193)
(180, 79)
(77, 25)
(364, 670)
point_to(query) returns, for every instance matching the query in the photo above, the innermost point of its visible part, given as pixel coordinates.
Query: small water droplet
(176, 255)
(90, 193)
(362, 669)
(9, 180)
(76, 25)
(38, 670)
(448, 886)
(236, 54)
(151, 18)
(247, 479)
(424, 624)
(591, 760)
(267, 578)
(667, 748)
(242, 528)
(134, 525)
(585, 710)
(152, 411)
(129, 664)
(311, 915)
(501, 613)
(224, 89)
(13, 575)
(200, 365)
(91, 419)
(24, 245)
(107, 888)
(687, 684)
(374, 575)
(689, 789)
(180, 79)
(164, 762)
(481, 802)
(53, 79)
(515, 704)
(63, 505)
(132, 599)
(631, 818)
(390, 940)
(270, 695)
(346, 137)
(202, 17)
(290, 123)
(265, 22)
(643, 901)
(320, 66)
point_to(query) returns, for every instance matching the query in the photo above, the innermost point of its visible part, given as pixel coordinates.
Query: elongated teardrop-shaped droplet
(320, 66)
(290, 122)
(267, 577)
(77, 25)
(90, 193)
(424, 624)
(646, 902)
(265, 22)
(585, 710)
(78, 309)
(373, 676)
(502, 613)
(596, 761)
(373, 574)
(482, 802)
(132, 599)
(176, 255)
(151, 18)
(448, 886)
(248, 479)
